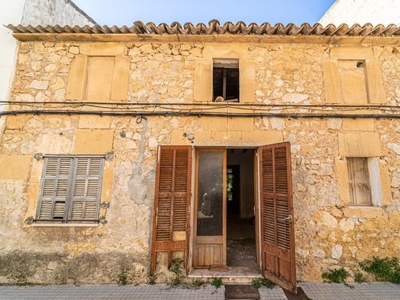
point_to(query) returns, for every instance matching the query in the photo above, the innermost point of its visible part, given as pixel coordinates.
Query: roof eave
(212, 38)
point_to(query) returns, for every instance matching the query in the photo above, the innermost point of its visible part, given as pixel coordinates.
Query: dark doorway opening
(241, 243)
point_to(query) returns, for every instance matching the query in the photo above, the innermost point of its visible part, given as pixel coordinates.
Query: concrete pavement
(315, 291)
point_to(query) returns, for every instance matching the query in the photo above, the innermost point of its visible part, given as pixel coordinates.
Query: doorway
(201, 235)
(225, 220)
(241, 242)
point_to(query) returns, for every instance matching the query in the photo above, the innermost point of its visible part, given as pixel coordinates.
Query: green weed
(260, 282)
(336, 276)
(383, 269)
(216, 282)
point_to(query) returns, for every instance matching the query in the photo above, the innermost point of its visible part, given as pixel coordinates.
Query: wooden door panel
(210, 208)
(277, 230)
(209, 255)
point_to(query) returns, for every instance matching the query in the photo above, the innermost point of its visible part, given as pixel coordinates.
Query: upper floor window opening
(226, 80)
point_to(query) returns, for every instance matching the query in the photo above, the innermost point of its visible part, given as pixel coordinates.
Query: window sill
(64, 225)
(367, 212)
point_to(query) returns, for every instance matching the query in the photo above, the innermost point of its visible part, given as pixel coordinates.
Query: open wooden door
(276, 205)
(210, 209)
(171, 203)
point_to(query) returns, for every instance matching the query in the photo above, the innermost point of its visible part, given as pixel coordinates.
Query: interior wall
(244, 158)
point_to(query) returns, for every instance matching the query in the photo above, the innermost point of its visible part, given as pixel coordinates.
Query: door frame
(208, 239)
(257, 209)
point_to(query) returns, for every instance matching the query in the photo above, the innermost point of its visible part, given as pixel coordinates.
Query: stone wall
(328, 231)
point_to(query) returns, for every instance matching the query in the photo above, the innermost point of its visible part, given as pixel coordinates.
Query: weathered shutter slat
(171, 205)
(277, 212)
(54, 188)
(86, 188)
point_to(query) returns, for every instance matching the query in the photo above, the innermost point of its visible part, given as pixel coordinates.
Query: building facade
(127, 148)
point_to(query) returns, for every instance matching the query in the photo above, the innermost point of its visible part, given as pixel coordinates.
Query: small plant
(384, 269)
(260, 282)
(216, 282)
(336, 276)
(152, 279)
(122, 277)
(359, 278)
(197, 283)
(177, 270)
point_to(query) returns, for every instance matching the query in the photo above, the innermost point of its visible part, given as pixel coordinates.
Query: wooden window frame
(78, 198)
(374, 182)
(225, 65)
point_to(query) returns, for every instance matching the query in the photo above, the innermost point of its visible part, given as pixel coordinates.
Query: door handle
(289, 219)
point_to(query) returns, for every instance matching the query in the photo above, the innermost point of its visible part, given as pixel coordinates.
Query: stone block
(15, 166)
(352, 212)
(53, 143)
(94, 122)
(359, 144)
(358, 124)
(203, 80)
(108, 179)
(373, 213)
(262, 137)
(39, 84)
(332, 82)
(17, 122)
(342, 180)
(202, 137)
(334, 123)
(120, 78)
(385, 183)
(247, 75)
(243, 124)
(223, 50)
(351, 53)
(77, 78)
(213, 123)
(103, 49)
(178, 138)
(93, 141)
(226, 136)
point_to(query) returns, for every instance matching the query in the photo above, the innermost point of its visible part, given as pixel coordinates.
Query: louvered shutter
(171, 204)
(277, 215)
(54, 188)
(86, 189)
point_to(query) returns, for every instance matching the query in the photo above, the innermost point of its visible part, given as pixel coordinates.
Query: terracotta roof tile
(214, 27)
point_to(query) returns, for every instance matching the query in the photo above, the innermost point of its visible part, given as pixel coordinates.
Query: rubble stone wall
(329, 233)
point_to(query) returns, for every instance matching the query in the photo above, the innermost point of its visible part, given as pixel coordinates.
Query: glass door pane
(210, 193)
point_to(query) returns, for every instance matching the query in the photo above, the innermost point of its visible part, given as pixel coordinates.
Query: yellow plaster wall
(14, 166)
(93, 141)
(385, 183)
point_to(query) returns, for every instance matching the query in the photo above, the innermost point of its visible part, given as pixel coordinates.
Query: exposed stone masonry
(328, 234)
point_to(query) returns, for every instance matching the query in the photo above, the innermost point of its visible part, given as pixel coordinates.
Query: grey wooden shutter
(54, 188)
(86, 188)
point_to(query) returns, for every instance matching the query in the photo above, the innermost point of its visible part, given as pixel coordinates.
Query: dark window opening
(226, 80)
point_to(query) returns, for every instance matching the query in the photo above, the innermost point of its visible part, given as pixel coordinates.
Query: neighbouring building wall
(329, 231)
(10, 13)
(350, 12)
(31, 12)
(54, 12)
